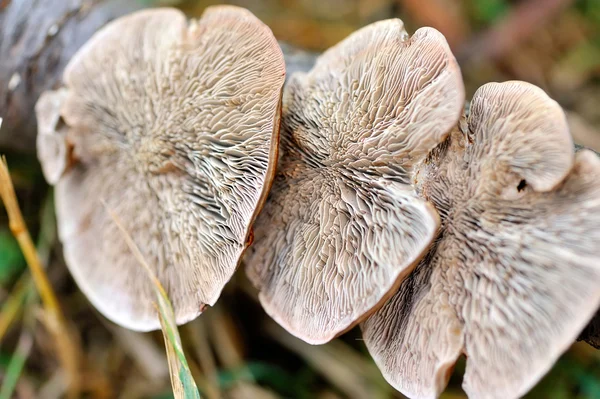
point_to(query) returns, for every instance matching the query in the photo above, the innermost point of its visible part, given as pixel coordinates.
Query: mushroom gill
(513, 276)
(174, 127)
(343, 225)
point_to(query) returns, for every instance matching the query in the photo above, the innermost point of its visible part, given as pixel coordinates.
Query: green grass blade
(15, 366)
(182, 382)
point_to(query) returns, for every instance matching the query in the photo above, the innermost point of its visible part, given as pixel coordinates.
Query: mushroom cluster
(173, 127)
(514, 274)
(380, 172)
(442, 232)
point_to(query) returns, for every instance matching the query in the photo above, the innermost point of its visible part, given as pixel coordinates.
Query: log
(37, 40)
(39, 37)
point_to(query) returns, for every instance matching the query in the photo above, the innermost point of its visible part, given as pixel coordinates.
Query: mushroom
(175, 128)
(513, 275)
(343, 225)
(51, 142)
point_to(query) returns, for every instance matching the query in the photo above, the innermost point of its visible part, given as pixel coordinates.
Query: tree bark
(39, 37)
(37, 40)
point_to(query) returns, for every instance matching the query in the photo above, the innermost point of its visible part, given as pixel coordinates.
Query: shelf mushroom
(174, 127)
(514, 274)
(343, 225)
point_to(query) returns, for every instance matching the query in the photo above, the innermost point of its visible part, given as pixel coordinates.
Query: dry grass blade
(67, 351)
(12, 306)
(222, 334)
(349, 372)
(182, 382)
(199, 340)
(142, 349)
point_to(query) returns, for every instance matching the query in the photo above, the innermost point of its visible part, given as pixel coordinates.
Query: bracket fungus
(175, 128)
(513, 275)
(343, 225)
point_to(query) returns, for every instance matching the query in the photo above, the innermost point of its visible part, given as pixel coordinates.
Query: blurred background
(234, 350)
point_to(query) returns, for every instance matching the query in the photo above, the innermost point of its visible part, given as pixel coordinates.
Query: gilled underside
(343, 225)
(173, 128)
(513, 276)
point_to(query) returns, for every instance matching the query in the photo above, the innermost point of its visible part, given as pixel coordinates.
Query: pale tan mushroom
(52, 146)
(343, 225)
(514, 274)
(175, 128)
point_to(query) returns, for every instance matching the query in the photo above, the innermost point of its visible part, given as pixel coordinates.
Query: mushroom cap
(174, 127)
(513, 276)
(53, 151)
(343, 225)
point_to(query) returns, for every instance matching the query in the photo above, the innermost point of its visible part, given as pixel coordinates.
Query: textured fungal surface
(51, 139)
(343, 225)
(174, 128)
(513, 276)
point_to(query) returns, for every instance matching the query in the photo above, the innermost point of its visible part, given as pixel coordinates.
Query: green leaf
(488, 11)
(15, 366)
(11, 258)
(590, 9)
(4, 360)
